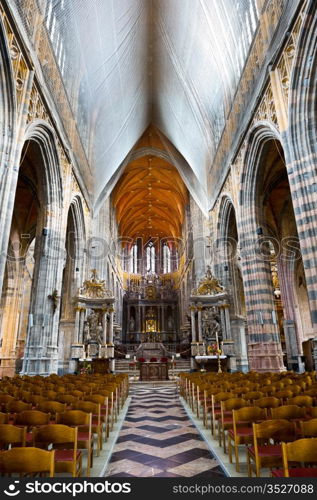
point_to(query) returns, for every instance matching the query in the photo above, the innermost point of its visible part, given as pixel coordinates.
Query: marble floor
(159, 439)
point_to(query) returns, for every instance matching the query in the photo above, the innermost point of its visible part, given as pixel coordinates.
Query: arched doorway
(270, 253)
(73, 274)
(228, 269)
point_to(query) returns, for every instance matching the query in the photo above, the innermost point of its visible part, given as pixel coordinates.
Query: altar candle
(134, 358)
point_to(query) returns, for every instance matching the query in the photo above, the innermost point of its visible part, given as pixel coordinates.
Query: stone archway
(73, 274)
(41, 355)
(228, 269)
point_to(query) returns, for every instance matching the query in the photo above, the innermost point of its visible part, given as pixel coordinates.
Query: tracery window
(150, 258)
(166, 259)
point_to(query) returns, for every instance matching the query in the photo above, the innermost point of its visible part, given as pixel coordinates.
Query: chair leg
(249, 465)
(229, 449)
(236, 454)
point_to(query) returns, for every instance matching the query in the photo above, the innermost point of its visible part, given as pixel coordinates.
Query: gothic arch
(8, 105)
(302, 131)
(44, 136)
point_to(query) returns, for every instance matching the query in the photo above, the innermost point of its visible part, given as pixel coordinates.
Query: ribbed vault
(150, 196)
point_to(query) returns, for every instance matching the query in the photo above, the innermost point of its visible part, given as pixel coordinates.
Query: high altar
(151, 305)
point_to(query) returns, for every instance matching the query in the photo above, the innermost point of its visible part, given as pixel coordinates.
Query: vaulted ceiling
(150, 196)
(131, 63)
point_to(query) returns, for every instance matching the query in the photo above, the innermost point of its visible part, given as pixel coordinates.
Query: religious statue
(132, 324)
(93, 330)
(170, 322)
(210, 324)
(86, 332)
(209, 285)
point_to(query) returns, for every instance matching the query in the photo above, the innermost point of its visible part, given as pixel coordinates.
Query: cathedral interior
(158, 212)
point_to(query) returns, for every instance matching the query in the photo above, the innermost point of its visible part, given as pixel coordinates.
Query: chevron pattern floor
(158, 439)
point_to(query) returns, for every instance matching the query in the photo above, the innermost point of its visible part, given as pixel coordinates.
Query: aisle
(158, 439)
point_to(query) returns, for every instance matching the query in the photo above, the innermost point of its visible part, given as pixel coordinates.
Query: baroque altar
(210, 322)
(94, 306)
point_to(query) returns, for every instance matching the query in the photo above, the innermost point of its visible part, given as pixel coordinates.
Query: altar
(213, 363)
(153, 371)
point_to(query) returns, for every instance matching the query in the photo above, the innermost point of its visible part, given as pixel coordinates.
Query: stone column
(223, 323)
(200, 330)
(110, 337)
(81, 325)
(193, 325)
(104, 324)
(77, 322)
(227, 333)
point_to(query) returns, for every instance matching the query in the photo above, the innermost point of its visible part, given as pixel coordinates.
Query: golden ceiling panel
(150, 196)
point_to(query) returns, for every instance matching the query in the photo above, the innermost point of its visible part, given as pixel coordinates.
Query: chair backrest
(279, 430)
(249, 414)
(27, 460)
(268, 402)
(253, 395)
(222, 396)
(74, 417)
(10, 434)
(309, 428)
(88, 407)
(4, 418)
(32, 417)
(283, 394)
(233, 404)
(288, 411)
(306, 401)
(18, 406)
(52, 407)
(302, 450)
(66, 398)
(55, 434)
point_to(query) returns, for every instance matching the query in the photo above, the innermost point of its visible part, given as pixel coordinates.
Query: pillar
(104, 324)
(77, 321)
(193, 347)
(110, 337)
(200, 331)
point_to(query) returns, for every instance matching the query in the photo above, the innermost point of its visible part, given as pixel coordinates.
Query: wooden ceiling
(150, 197)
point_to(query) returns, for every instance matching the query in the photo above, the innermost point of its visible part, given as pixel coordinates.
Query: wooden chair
(309, 428)
(263, 453)
(302, 401)
(12, 435)
(52, 407)
(27, 461)
(63, 438)
(67, 399)
(243, 434)
(226, 421)
(83, 421)
(31, 419)
(95, 410)
(102, 399)
(17, 406)
(4, 418)
(215, 413)
(289, 412)
(302, 451)
(252, 396)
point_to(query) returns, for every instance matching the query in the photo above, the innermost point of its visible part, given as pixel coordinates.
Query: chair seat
(66, 455)
(296, 472)
(272, 450)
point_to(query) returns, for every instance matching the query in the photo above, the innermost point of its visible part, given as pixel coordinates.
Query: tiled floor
(158, 439)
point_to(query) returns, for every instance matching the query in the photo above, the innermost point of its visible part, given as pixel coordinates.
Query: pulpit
(153, 371)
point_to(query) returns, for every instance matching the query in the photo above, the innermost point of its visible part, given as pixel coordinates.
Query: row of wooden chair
(83, 409)
(282, 405)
